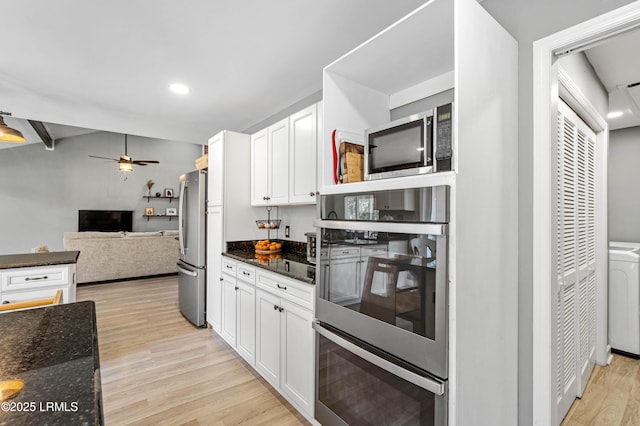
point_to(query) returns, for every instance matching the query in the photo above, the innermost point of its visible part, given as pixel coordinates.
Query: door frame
(545, 95)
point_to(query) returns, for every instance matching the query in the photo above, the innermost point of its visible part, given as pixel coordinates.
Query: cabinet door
(259, 168)
(302, 156)
(268, 336)
(279, 162)
(215, 174)
(246, 322)
(215, 243)
(297, 355)
(344, 280)
(229, 309)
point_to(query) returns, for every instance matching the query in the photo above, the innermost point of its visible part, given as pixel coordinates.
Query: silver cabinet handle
(431, 385)
(282, 287)
(36, 278)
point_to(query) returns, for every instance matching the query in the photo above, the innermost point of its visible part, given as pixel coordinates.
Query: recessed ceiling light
(615, 114)
(178, 88)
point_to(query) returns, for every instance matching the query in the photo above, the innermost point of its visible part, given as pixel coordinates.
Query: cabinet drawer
(286, 288)
(229, 267)
(35, 294)
(372, 251)
(246, 273)
(344, 251)
(26, 278)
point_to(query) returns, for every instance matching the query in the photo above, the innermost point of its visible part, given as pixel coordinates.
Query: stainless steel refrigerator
(193, 242)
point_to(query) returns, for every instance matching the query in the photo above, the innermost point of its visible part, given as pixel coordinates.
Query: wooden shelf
(148, 216)
(153, 197)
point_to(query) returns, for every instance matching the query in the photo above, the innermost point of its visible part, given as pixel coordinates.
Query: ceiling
(107, 65)
(617, 63)
(85, 66)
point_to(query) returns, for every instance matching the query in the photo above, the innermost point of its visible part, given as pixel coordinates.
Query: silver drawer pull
(282, 287)
(36, 278)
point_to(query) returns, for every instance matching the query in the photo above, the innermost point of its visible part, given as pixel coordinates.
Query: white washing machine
(624, 297)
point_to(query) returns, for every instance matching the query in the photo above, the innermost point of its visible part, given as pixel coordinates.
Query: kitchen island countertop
(54, 350)
(26, 260)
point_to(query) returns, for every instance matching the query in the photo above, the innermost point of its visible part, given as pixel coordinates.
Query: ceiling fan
(125, 163)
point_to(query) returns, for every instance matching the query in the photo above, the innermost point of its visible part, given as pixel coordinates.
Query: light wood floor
(158, 369)
(612, 396)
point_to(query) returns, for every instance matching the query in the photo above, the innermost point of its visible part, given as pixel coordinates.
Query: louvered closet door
(575, 335)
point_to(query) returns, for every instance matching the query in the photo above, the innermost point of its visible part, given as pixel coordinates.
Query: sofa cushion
(143, 234)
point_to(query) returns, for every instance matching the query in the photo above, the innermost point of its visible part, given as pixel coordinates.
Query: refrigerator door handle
(181, 217)
(186, 272)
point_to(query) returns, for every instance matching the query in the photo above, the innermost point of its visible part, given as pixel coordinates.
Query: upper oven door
(382, 271)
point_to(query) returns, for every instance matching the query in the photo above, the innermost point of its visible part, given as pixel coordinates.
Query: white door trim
(545, 93)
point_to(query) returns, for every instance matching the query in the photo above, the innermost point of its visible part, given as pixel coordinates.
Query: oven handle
(433, 386)
(382, 226)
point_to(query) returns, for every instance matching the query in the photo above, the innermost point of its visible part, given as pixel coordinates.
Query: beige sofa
(116, 255)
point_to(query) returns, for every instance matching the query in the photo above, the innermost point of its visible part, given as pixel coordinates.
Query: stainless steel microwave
(420, 143)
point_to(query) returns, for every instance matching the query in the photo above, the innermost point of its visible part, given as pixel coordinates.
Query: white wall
(41, 191)
(624, 191)
(585, 78)
(529, 21)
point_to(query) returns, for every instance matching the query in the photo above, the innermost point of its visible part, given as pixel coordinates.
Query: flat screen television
(105, 220)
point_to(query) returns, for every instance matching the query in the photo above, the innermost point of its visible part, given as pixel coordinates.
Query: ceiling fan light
(125, 167)
(8, 134)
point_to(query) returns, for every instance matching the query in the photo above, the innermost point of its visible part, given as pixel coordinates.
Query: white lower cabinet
(267, 318)
(268, 336)
(296, 357)
(238, 319)
(284, 337)
(38, 282)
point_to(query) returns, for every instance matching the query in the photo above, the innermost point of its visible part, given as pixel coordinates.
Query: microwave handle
(436, 229)
(434, 386)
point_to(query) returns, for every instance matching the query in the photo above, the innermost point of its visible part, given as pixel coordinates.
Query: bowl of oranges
(267, 247)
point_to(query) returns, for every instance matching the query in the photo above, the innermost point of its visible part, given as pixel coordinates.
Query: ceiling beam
(43, 133)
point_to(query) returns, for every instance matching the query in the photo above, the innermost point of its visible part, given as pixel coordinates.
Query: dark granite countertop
(291, 261)
(54, 350)
(25, 260)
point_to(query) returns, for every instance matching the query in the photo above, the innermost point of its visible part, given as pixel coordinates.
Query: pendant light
(8, 134)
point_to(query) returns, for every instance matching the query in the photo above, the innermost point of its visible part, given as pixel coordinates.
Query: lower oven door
(357, 384)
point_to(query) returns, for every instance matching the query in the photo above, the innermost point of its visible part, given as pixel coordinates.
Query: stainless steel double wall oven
(381, 346)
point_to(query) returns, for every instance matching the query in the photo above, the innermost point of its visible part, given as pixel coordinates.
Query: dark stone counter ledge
(54, 350)
(290, 264)
(26, 260)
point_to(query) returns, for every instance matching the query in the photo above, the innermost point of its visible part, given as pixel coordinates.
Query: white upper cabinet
(279, 162)
(302, 155)
(259, 168)
(270, 165)
(216, 170)
(283, 160)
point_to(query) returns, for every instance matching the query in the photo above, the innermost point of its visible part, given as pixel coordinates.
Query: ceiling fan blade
(145, 162)
(103, 158)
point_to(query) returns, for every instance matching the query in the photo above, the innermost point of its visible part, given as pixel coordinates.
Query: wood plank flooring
(612, 396)
(158, 369)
